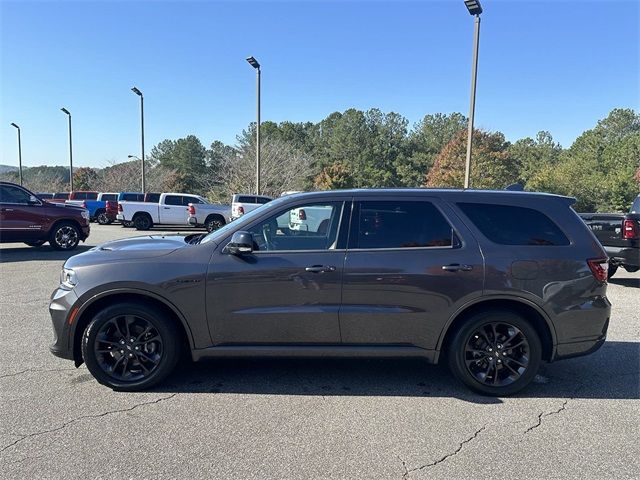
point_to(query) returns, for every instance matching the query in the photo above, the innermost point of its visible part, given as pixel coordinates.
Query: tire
(611, 271)
(489, 367)
(37, 243)
(64, 236)
(140, 365)
(102, 218)
(142, 221)
(214, 222)
(127, 224)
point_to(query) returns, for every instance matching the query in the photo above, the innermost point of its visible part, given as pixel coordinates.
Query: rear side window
(129, 197)
(262, 200)
(150, 198)
(246, 199)
(509, 225)
(92, 195)
(173, 200)
(80, 196)
(402, 224)
(109, 197)
(61, 196)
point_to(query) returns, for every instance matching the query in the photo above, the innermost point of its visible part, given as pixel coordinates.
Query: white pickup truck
(172, 209)
(209, 215)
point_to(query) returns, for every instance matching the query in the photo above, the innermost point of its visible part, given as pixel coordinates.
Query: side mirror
(33, 200)
(241, 242)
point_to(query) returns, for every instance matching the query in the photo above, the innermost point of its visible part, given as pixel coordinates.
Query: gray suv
(490, 283)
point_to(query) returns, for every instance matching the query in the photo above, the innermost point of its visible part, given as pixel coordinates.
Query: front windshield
(221, 232)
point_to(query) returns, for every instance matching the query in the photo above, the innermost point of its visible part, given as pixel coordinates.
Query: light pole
(70, 151)
(19, 152)
(139, 93)
(475, 9)
(254, 63)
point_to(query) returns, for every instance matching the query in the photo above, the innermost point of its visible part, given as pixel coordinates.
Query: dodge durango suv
(490, 283)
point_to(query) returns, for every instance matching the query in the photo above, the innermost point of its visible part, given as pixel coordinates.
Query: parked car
(95, 202)
(25, 218)
(620, 235)
(492, 283)
(242, 203)
(208, 215)
(44, 196)
(59, 197)
(171, 210)
(112, 207)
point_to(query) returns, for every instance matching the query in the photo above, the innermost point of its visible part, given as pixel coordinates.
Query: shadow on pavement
(626, 282)
(610, 373)
(45, 252)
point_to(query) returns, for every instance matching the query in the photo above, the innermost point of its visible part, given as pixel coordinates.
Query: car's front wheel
(102, 218)
(64, 236)
(495, 353)
(130, 347)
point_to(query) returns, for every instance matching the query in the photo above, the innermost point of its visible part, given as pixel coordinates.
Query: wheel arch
(96, 303)
(529, 310)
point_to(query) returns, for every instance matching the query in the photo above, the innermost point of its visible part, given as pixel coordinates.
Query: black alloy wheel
(102, 218)
(214, 223)
(142, 222)
(495, 353)
(130, 347)
(64, 236)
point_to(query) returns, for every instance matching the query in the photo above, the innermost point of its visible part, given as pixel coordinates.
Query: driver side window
(14, 195)
(310, 226)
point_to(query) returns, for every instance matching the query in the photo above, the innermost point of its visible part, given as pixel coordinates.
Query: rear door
(411, 263)
(173, 211)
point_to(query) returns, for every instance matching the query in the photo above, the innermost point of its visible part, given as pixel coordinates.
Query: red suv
(26, 218)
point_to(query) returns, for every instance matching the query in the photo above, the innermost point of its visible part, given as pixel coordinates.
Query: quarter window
(401, 224)
(509, 225)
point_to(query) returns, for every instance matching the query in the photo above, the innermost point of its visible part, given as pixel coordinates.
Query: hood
(64, 205)
(148, 246)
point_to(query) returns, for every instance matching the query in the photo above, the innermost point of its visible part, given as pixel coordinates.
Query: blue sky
(555, 65)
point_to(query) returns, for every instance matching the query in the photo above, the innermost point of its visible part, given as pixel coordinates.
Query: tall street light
(19, 152)
(254, 63)
(475, 9)
(139, 93)
(70, 151)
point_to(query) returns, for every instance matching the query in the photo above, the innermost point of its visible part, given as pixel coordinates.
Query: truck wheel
(131, 346)
(495, 353)
(64, 236)
(37, 243)
(612, 270)
(127, 224)
(214, 222)
(102, 218)
(142, 221)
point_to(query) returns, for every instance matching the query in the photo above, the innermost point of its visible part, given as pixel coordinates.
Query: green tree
(186, 157)
(537, 158)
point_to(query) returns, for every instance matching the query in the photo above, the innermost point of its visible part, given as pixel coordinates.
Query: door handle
(6, 209)
(167, 208)
(456, 267)
(320, 268)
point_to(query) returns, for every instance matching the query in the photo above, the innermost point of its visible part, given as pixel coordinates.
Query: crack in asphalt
(83, 417)
(36, 370)
(408, 472)
(546, 414)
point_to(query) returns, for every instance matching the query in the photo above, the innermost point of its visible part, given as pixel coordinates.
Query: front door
(287, 291)
(20, 220)
(410, 265)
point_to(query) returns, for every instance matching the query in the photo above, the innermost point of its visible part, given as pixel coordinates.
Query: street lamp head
(473, 6)
(14, 125)
(253, 62)
(66, 111)
(136, 91)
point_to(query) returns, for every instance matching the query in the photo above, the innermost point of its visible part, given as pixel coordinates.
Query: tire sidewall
(456, 354)
(142, 222)
(166, 328)
(52, 237)
(101, 218)
(211, 223)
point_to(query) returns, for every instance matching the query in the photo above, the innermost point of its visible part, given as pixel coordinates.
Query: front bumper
(628, 256)
(62, 303)
(85, 230)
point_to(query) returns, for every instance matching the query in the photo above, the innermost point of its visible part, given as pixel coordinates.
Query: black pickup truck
(619, 234)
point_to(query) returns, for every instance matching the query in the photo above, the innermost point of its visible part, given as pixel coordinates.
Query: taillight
(107, 205)
(84, 204)
(191, 209)
(599, 267)
(240, 210)
(119, 208)
(302, 215)
(630, 230)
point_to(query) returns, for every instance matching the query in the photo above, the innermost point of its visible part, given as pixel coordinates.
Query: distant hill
(8, 168)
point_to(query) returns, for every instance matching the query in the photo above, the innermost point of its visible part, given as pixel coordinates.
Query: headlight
(85, 214)
(68, 278)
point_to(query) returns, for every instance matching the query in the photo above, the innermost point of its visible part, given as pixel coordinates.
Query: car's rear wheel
(495, 353)
(131, 347)
(214, 222)
(37, 243)
(64, 236)
(102, 218)
(142, 221)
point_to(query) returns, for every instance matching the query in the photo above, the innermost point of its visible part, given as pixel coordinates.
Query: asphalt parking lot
(305, 418)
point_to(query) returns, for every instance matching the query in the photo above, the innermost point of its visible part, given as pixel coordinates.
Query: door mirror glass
(33, 200)
(241, 243)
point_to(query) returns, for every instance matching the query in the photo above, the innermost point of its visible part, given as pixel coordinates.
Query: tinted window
(173, 200)
(305, 227)
(61, 196)
(79, 196)
(109, 197)
(188, 200)
(91, 195)
(401, 224)
(508, 225)
(9, 194)
(262, 200)
(246, 199)
(45, 195)
(151, 197)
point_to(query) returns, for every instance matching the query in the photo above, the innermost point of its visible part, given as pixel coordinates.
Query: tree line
(357, 149)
